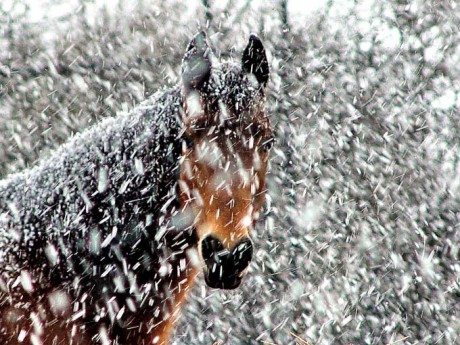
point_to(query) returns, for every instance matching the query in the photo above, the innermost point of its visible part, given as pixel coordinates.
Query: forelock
(231, 85)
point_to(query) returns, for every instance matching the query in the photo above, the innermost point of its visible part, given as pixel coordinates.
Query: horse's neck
(94, 187)
(97, 205)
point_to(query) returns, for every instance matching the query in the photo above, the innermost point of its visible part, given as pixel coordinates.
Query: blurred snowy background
(359, 242)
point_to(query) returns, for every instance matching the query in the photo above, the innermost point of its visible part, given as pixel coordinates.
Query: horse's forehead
(226, 144)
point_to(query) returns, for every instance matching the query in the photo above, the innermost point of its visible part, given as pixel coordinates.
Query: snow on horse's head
(224, 162)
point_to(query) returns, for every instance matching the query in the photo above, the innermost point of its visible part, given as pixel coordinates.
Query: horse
(101, 242)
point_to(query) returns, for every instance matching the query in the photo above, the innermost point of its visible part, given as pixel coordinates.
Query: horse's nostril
(210, 248)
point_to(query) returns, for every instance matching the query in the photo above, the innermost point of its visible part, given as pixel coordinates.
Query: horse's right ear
(196, 64)
(254, 60)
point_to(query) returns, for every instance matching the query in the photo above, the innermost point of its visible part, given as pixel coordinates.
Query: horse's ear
(255, 61)
(196, 64)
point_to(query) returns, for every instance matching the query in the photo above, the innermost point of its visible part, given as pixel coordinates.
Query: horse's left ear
(255, 61)
(196, 64)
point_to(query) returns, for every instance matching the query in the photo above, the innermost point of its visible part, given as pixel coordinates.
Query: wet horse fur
(94, 248)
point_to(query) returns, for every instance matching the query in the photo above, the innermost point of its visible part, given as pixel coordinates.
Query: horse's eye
(187, 141)
(267, 144)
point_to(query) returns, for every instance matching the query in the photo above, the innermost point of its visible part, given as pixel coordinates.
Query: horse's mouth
(221, 281)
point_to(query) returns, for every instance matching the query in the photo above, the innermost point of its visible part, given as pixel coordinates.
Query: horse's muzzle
(225, 268)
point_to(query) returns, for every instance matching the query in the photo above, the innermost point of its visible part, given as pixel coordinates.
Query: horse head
(225, 157)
